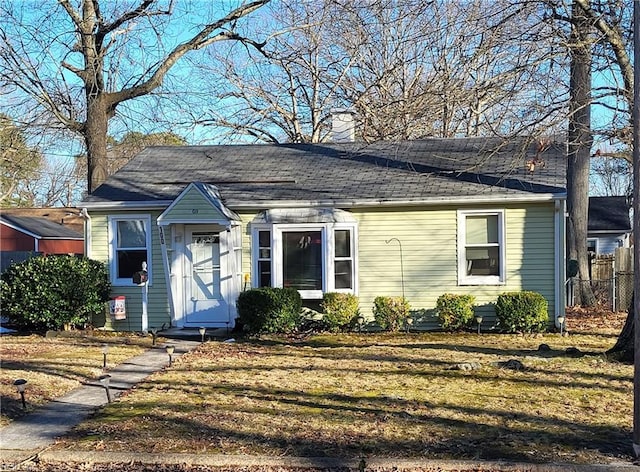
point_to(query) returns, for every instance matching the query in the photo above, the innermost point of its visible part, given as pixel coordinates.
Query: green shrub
(391, 312)
(522, 312)
(340, 310)
(455, 311)
(54, 291)
(269, 310)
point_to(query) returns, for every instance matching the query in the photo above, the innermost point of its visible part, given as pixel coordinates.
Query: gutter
(559, 259)
(141, 205)
(268, 204)
(84, 214)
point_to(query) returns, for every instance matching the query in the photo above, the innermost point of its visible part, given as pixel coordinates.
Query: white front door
(204, 301)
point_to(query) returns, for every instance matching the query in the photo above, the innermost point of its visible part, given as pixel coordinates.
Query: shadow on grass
(422, 367)
(358, 426)
(470, 346)
(52, 368)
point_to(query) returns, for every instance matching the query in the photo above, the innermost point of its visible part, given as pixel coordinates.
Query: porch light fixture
(104, 381)
(409, 322)
(170, 350)
(479, 322)
(561, 320)
(202, 330)
(105, 350)
(154, 335)
(20, 385)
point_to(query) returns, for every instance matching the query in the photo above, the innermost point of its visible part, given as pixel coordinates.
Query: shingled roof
(346, 174)
(40, 227)
(610, 214)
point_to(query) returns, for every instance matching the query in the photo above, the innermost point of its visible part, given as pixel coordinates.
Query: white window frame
(113, 244)
(463, 278)
(327, 231)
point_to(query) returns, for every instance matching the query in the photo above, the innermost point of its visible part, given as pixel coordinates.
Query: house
(609, 225)
(421, 218)
(28, 231)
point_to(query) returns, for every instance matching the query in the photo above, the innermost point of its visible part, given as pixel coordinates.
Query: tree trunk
(95, 136)
(623, 350)
(580, 141)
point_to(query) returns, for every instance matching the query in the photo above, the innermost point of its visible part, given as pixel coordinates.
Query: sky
(144, 114)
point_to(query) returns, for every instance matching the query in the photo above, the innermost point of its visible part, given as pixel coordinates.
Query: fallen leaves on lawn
(388, 395)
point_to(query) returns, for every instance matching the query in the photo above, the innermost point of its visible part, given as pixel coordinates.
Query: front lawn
(54, 365)
(430, 395)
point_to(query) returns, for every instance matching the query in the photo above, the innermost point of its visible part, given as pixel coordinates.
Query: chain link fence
(614, 293)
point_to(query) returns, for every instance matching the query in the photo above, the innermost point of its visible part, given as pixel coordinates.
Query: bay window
(312, 258)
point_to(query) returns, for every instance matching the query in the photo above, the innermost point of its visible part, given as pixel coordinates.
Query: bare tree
(609, 26)
(610, 175)
(20, 163)
(409, 70)
(284, 95)
(478, 68)
(73, 64)
(580, 142)
(57, 184)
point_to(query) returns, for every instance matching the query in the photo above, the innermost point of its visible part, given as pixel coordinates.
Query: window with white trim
(481, 247)
(343, 259)
(312, 258)
(264, 258)
(129, 247)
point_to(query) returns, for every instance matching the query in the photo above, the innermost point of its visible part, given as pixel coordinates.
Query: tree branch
(616, 42)
(105, 29)
(198, 41)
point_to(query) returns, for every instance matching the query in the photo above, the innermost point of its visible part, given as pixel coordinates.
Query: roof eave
(124, 205)
(265, 204)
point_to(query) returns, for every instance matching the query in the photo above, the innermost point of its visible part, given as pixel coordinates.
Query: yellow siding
(429, 246)
(157, 303)
(193, 205)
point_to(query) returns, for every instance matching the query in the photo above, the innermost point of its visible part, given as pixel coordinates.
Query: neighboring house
(609, 224)
(471, 216)
(28, 231)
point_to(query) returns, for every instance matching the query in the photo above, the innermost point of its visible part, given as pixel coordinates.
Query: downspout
(87, 231)
(559, 259)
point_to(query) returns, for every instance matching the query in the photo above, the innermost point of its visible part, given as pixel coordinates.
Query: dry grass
(55, 365)
(404, 395)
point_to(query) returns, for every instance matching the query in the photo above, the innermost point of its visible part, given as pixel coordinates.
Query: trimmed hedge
(455, 311)
(54, 292)
(391, 312)
(340, 310)
(269, 310)
(522, 312)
